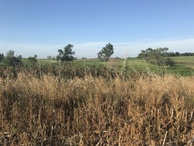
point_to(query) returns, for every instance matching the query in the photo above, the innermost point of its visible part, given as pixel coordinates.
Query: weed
(142, 109)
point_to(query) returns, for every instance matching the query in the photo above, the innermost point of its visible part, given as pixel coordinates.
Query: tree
(20, 57)
(106, 52)
(10, 54)
(66, 54)
(12, 60)
(156, 56)
(1, 57)
(169, 62)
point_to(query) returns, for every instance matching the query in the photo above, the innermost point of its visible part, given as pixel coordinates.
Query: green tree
(1, 57)
(10, 54)
(106, 52)
(11, 59)
(156, 56)
(20, 57)
(169, 62)
(66, 54)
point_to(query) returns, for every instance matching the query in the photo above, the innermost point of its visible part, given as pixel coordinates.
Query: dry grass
(144, 110)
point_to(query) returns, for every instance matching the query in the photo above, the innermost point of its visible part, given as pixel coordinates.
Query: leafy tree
(10, 54)
(1, 57)
(106, 52)
(11, 59)
(66, 54)
(156, 56)
(20, 57)
(169, 62)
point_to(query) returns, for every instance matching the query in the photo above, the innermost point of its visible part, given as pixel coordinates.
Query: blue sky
(43, 26)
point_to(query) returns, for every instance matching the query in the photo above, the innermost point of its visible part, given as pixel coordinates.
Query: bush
(169, 62)
(13, 61)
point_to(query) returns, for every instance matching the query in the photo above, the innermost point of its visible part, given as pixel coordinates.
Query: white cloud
(90, 49)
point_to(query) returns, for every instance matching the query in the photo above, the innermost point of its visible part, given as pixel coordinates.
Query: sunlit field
(97, 109)
(184, 65)
(185, 59)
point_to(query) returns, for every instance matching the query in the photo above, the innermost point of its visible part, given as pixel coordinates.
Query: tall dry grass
(139, 110)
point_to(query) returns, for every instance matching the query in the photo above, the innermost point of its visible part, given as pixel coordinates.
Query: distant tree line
(176, 54)
(158, 56)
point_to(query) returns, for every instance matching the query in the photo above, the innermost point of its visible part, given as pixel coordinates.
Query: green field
(183, 65)
(184, 59)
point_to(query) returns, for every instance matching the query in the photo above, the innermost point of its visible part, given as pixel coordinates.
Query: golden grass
(142, 110)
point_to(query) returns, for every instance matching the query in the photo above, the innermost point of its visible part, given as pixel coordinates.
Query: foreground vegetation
(96, 109)
(90, 102)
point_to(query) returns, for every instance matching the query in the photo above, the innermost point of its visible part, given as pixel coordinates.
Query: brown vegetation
(139, 110)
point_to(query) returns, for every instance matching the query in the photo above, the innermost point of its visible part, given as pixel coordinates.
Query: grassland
(184, 59)
(121, 102)
(184, 66)
(140, 110)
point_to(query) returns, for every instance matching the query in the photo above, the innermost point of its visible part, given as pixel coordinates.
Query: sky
(43, 26)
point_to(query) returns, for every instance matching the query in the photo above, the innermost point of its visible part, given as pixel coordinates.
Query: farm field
(88, 102)
(184, 65)
(185, 59)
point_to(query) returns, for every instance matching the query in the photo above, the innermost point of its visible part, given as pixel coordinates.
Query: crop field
(119, 102)
(185, 59)
(184, 66)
